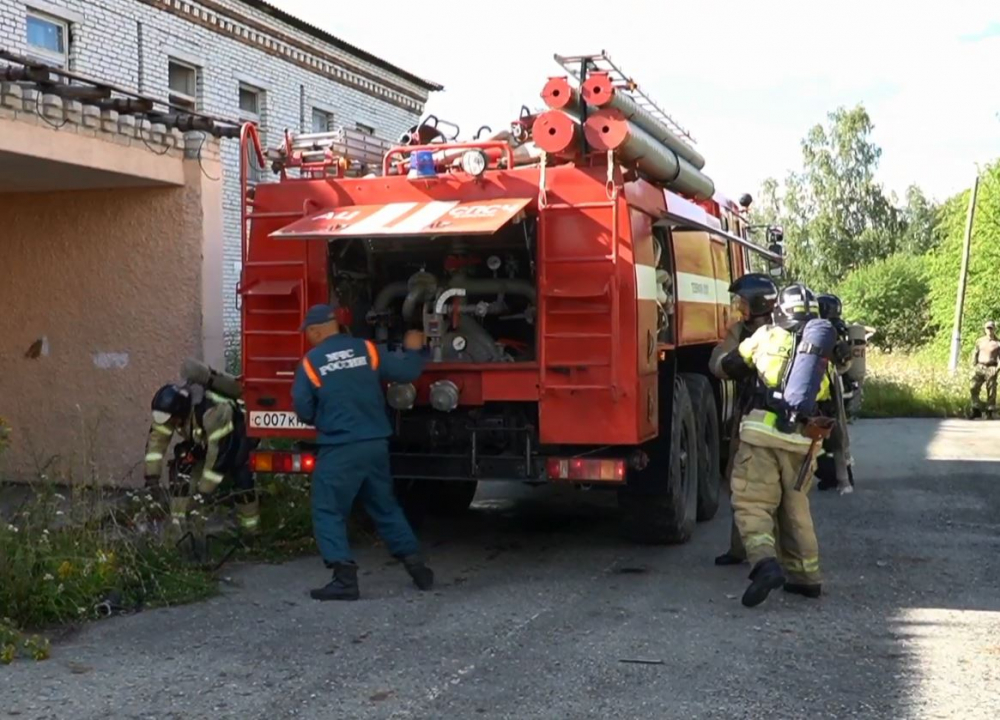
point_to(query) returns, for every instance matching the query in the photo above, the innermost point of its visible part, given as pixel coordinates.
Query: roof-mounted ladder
(602, 62)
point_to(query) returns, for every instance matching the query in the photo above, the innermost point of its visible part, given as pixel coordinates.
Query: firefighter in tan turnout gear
(776, 459)
(984, 370)
(756, 295)
(212, 443)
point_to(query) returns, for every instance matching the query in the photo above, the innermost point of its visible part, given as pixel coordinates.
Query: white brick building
(238, 59)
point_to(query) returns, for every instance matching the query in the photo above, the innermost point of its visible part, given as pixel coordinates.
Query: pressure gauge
(458, 343)
(494, 263)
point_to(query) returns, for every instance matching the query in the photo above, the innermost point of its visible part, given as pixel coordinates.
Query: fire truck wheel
(664, 510)
(449, 497)
(707, 419)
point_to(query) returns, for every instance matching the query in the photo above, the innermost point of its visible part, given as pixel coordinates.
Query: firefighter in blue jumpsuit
(338, 390)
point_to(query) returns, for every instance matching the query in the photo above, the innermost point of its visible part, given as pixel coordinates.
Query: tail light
(282, 462)
(585, 470)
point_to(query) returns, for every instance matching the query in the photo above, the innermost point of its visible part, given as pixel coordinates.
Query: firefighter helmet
(759, 292)
(171, 401)
(830, 306)
(796, 305)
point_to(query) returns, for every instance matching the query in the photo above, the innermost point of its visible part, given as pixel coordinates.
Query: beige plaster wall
(109, 290)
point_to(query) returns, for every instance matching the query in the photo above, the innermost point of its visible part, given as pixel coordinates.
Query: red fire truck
(570, 273)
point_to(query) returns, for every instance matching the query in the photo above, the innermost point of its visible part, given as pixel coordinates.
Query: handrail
(248, 134)
(439, 147)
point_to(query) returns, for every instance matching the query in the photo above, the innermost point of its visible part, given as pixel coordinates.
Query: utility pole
(956, 335)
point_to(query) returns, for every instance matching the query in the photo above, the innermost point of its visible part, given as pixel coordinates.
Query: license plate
(276, 420)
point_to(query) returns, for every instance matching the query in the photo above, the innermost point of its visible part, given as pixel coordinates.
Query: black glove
(734, 366)
(841, 353)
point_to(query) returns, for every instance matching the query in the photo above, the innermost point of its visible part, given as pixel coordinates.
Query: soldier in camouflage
(985, 357)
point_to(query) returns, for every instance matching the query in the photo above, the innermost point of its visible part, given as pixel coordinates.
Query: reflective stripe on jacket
(759, 428)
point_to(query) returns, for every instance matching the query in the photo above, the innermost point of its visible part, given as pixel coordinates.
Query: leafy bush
(891, 296)
(982, 295)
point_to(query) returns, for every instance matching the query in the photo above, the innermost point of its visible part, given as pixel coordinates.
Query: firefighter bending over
(984, 370)
(213, 443)
(338, 390)
(756, 295)
(790, 370)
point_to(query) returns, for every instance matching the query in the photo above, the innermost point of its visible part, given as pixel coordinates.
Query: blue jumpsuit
(338, 390)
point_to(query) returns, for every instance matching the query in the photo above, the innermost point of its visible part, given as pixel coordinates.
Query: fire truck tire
(709, 458)
(449, 497)
(666, 511)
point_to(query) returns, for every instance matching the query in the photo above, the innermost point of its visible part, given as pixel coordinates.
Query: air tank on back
(194, 371)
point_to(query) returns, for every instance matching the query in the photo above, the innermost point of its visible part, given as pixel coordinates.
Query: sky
(748, 79)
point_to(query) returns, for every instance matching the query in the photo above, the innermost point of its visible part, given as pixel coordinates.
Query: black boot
(423, 576)
(727, 558)
(765, 577)
(809, 591)
(344, 585)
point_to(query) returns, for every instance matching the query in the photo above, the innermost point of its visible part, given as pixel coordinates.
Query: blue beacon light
(421, 165)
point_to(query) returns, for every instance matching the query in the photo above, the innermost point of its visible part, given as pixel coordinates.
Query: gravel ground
(540, 608)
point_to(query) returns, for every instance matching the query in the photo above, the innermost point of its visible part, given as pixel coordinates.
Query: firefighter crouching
(338, 390)
(212, 443)
(835, 467)
(985, 357)
(756, 295)
(767, 479)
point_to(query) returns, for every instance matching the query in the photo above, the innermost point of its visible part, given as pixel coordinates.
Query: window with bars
(48, 39)
(183, 83)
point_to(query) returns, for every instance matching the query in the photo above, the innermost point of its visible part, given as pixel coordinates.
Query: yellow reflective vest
(768, 351)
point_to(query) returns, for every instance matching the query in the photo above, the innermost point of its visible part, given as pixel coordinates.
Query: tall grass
(913, 386)
(83, 553)
(71, 553)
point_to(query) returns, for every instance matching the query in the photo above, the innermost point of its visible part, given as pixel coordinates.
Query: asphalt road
(542, 612)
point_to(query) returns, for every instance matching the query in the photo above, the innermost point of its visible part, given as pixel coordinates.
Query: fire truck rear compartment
(473, 295)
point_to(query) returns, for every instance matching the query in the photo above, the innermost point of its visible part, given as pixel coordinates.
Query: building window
(366, 129)
(183, 82)
(251, 102)
(321, 121)
(252, 111)
(48, 39)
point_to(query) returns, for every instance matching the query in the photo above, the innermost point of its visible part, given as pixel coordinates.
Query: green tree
(982, 295)
(891, 295)
(835, 215)
(920, 221)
